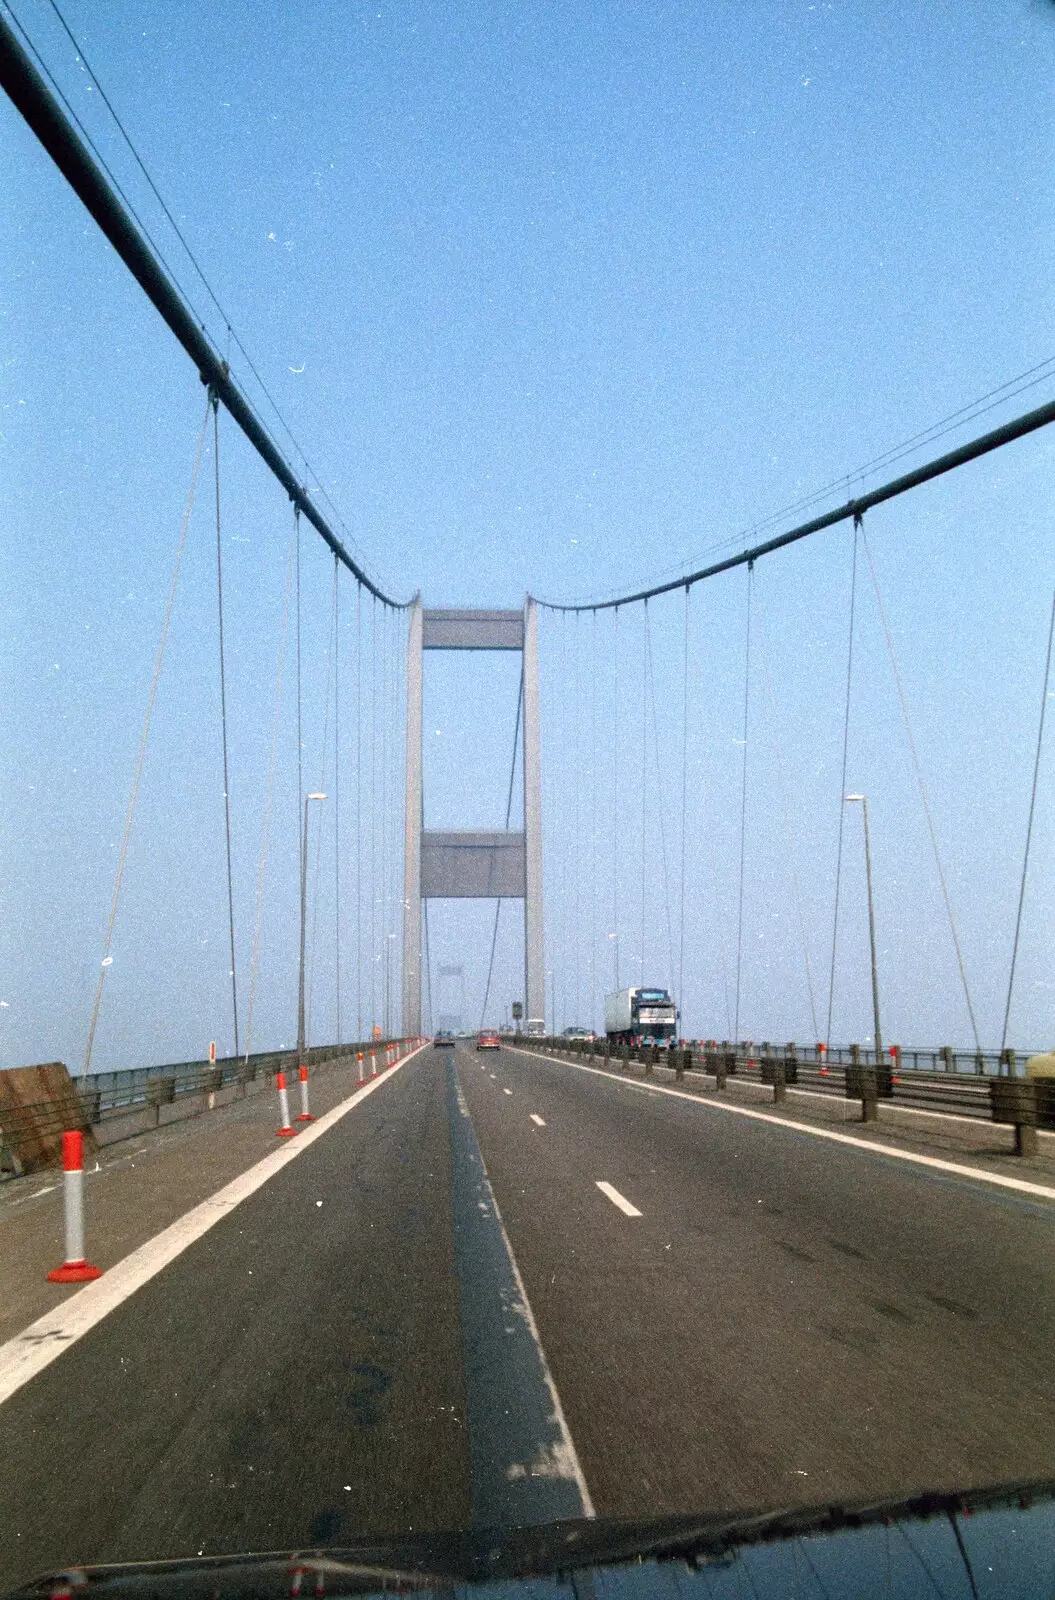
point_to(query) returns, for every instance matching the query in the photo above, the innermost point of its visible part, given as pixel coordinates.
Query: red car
(488, 1041)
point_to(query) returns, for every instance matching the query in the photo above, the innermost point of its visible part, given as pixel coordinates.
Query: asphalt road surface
(741, 1316)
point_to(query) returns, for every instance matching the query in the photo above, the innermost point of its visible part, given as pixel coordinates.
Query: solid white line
(537, 1120)
(1020, 1185)
(30, 1351)
(569, 1453)
(618, 1199)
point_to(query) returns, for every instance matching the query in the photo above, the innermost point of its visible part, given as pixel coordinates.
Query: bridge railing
(99, 1098)
(994, 1088)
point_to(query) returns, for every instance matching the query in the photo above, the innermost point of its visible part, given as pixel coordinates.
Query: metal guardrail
(1012, 1099)
(105, 1096)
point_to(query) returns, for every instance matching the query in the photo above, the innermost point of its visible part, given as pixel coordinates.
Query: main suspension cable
(141, 757)
(1029, 829)
(223, 718)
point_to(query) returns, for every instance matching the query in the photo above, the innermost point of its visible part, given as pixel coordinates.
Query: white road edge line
(561, 1421)
(30, 1351)
(537, 1120)
(1020, 1185)
(618, 1199)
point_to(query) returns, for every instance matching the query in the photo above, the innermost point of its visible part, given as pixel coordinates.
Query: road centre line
(1020, 1185)
(507, 1091)
(30, 1351)
(617, 1199)
(537, 1120)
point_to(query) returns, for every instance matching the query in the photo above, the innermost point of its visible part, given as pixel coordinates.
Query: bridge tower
(442, 865)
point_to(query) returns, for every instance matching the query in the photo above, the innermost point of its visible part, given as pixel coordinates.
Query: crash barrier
(75, 1268)
(102, 1102)
(897, 1076)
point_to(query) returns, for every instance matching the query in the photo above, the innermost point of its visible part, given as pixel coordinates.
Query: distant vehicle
(535, 1027)
(578, 1033)
(637, 1016)
(443, 1038)
(488, 1041)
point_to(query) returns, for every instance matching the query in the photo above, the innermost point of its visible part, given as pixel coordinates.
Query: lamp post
(863, 798)
(303, 925)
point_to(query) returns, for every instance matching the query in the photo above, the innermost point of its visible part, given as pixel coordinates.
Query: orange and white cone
(287, 1130)
(75, 1269)
(362, 1073)
(305, 1114)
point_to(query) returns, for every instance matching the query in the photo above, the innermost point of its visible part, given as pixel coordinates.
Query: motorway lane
(294, 1377)
(788, 1321)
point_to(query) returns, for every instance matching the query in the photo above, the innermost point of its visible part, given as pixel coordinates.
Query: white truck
(637, 1016)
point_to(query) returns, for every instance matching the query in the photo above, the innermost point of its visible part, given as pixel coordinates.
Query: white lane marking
(507, 1091)
(618, 1199)
(493, 1078)
(955, 1167)
(568, 1463)
(30, 1351)
(537, 1120)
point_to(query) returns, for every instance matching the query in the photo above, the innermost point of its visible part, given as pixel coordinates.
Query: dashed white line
(537, 1120)
(507, 1091)
(957, 1168)
(492, 1077)
(618, 1199)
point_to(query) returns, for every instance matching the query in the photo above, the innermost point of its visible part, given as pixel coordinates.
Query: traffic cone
(305, 1114)
(75, 1269)
(286, 1131)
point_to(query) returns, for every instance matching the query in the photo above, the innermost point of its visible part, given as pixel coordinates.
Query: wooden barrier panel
(37, 1106)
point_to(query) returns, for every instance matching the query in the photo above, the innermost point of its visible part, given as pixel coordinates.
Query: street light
(863, 798)
(303, 925)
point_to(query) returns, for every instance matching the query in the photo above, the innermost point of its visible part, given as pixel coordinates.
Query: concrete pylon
(503, 865)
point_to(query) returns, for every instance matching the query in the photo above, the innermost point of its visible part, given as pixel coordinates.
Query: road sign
(518, 1010)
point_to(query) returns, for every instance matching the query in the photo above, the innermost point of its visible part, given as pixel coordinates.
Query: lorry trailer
(639, 1016)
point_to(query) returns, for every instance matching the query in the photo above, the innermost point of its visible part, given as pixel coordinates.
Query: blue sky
(556, 299)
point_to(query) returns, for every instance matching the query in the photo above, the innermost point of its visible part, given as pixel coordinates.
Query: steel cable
(223, 718)
(842, 787)
(509, 813)
(922, 787)
(743, 814)
(141, 757)
(262, 869)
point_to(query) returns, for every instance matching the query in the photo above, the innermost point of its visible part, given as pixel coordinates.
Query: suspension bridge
(801, 1245)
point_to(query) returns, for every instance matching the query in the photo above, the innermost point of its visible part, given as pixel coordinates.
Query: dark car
(444, 1037)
